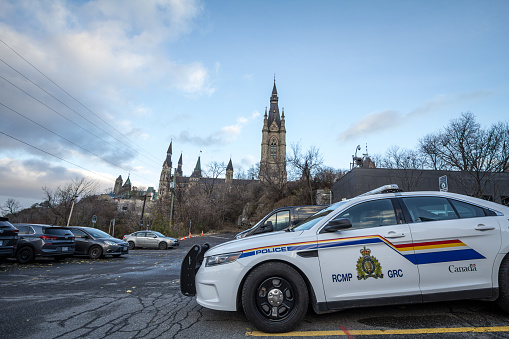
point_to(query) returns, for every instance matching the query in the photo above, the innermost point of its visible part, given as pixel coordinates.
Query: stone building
(273, 154)
(363, 179)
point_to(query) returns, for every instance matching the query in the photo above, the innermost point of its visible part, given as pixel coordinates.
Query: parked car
(371, 250)
(96, 243)
(281, 218)
(36, 240)
(8, 239)
(150, 239)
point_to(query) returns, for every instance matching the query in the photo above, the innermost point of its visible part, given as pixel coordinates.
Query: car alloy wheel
(275, 297)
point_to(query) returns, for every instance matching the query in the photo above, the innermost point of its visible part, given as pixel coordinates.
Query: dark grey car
(96, 243)
(8, 239)
(36, 240)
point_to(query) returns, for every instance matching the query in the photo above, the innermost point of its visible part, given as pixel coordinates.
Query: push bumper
(190, 265)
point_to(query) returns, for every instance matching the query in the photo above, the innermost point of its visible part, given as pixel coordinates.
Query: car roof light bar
(393, 188)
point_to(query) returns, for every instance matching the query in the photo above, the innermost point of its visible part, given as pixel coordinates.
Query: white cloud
(389, 119)
(372, 123)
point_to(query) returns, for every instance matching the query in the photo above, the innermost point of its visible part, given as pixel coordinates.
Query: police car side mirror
(268, 227)
(337, 225)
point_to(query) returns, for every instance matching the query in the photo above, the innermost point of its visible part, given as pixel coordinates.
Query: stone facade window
(273, 149)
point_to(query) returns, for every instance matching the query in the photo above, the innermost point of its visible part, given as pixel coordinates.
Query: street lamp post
(142, 211)
(72, 207)
(172, 188)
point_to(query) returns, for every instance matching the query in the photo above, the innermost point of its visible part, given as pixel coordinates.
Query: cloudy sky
(98, 89)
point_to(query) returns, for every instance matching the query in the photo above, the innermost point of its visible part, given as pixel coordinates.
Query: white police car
(375, 249)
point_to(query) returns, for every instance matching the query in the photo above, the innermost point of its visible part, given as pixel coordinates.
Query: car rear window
(57, 231)
(5, 224)
(467, 210)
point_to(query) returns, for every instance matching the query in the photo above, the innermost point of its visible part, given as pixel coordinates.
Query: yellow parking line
(381, 332)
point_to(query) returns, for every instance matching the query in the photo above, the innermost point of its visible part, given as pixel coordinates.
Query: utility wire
(69, 141)
(63, 90)
(64, 104)
(96, 136)
(53, 155)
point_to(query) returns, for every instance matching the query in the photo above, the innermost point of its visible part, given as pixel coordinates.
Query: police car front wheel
(275, 297)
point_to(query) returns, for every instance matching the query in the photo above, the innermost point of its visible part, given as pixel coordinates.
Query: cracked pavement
(134, 296)
(138, 296)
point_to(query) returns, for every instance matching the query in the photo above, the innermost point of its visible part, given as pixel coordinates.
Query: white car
(375, 249)
(150, 239)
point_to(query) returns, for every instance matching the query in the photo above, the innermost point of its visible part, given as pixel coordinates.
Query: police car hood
(254, 241)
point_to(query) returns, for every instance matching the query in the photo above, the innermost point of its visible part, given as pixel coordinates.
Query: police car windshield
(315, 218)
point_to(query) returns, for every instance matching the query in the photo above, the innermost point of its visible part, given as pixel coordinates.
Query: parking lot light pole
(142, 211)
(172, 188)
(72, 207)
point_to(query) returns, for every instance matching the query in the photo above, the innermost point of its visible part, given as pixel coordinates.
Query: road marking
(381, 332)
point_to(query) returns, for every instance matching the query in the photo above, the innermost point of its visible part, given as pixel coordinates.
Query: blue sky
(200, 73)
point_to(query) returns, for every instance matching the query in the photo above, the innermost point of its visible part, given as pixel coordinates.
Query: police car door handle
(482, 227)
(392, 235)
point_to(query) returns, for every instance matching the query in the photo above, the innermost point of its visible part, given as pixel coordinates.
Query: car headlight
(220, 259)
(111, 243)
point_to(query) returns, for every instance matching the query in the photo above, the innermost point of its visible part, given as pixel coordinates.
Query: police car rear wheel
(275, 297)
(503, 284)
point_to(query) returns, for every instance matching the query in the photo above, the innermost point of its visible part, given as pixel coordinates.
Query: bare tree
(60, 200)
(11, 206)
(212, 173)
(326, 176)
(409, 164)
(274, 180)
(463, 145)
(305, 165)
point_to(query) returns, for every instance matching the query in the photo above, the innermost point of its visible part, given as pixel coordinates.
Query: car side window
(466, 210)
(370, 214)
(150, 235)
(78, 233)
(282, 221)
(22, 229)
(279, 220)
(140, 234)
(429, 209)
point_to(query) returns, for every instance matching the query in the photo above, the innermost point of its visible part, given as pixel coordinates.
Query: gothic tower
(118, 185)
(165, 179)
(229, 171)
(273, 159)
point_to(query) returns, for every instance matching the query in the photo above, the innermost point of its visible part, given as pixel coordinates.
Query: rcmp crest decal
(368, 266)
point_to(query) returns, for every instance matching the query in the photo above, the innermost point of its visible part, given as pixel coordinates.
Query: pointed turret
(229, 171)
(197, 170)
(274, 108)
(179, 168)
(167, 162)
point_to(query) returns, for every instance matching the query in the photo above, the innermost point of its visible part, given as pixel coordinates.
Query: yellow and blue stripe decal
(417, 253)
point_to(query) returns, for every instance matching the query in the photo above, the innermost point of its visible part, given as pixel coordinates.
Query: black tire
(275, 298)
(131, 245)
(95, 252)
(25, 255)
(503, 285)
(163, 245)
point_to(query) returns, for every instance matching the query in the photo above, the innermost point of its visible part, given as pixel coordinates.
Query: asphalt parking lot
(138, 296)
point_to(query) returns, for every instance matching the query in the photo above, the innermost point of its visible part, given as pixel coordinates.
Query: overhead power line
(64, 104)
(63, 116)
(69, 141)
(56, 156)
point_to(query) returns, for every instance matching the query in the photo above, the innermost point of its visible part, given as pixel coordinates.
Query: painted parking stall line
(381, 332)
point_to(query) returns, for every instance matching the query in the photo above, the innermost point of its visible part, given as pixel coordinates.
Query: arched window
(273, 148)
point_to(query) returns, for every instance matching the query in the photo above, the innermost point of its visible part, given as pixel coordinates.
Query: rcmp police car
(374, 249)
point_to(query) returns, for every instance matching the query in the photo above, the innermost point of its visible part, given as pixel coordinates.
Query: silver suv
(150, 239)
